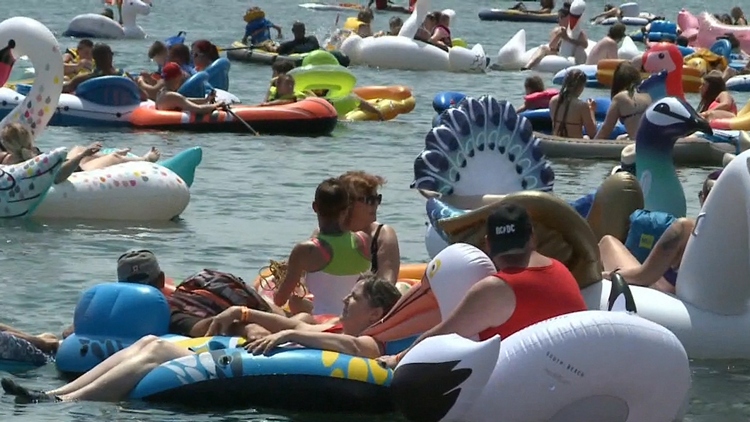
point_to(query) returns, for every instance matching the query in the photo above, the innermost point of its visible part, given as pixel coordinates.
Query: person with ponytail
(570, 116)
(627, 105)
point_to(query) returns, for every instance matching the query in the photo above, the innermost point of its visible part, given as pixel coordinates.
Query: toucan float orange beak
(7, 60)
(416, 312)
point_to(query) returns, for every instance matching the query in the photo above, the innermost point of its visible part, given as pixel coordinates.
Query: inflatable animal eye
(662, 55)
(434, 267)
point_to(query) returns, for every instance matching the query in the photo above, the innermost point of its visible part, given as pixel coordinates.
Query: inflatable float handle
(697, 223)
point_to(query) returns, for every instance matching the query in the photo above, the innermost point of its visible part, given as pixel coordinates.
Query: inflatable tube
(739, 83)
(590, 70)
(692, 151)
(541, 373)
(242, 53)
(308, 117)
(629, 21)
(323, 381)
(398, 52)
(321, 71)
(114, 91)
(445, 100)
(691, 77)
(516, 16)
(18, 355)
(134, 191)
(99, 319)
(92, 25)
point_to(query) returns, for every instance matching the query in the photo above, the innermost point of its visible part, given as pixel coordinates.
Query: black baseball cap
(509, 230)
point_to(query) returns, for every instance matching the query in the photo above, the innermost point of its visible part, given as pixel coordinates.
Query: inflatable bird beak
(7, 60)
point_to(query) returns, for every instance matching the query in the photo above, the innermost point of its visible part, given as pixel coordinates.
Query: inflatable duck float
(403, 52)
(111, 193)
(572, 368)
(94, 25)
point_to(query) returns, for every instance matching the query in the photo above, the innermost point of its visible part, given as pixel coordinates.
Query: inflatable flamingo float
(703, 30)
(666, 57)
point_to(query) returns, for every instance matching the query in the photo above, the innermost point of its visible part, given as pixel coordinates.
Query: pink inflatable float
(705, 29)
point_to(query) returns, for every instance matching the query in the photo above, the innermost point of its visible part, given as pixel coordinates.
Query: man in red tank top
(528, 287)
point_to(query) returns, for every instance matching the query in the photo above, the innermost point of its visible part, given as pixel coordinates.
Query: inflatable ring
(561, 233)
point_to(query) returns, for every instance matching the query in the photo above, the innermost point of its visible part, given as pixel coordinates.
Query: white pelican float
(577, 367)
(94, 25)
(403, 52)
(111, 193)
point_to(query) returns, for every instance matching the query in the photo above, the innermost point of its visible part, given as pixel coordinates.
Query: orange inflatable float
(308, 117)
(691, 77)
(390, 100)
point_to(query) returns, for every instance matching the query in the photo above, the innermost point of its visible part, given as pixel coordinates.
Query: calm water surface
(252, 195)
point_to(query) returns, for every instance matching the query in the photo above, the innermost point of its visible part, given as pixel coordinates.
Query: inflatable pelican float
(94, 25)
(112, 193)
(577, 367)
(403, 52)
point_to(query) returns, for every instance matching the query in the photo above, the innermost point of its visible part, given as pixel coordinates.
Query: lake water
(251, 197)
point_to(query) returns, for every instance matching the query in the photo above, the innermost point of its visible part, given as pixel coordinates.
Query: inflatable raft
(340, 7)
(516, 16)
(95, 25)
(242, 53)
(308, 117)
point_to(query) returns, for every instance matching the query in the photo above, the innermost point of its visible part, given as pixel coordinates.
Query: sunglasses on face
(371, 199)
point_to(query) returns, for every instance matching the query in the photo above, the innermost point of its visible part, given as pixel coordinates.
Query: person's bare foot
(153, 155)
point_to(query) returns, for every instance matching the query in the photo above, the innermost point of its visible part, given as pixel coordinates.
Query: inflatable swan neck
(28, 36)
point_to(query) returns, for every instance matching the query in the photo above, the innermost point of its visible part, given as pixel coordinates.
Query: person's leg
(615, 255)
(540, 53)
(119, 157)
(104, 367)
(117, 383)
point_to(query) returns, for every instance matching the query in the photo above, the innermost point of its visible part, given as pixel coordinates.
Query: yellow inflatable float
(691, 76)
(322, 75)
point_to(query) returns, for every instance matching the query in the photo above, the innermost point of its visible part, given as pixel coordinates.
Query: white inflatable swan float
(131, 191)
(577, 367)
(403, 52)
(94, 25)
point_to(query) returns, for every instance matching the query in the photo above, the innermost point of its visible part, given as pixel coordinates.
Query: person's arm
(175, 100)
(296, 266)
(362, 346)
(587, 115)
(221, 324)
(661, 257)
(278, 30)
(70, 165)
(370, 109)
(610, 121)
(470, 316)
(724, 101)
(389, 255)
(38, 342)
(438, 35)
(314, 42)
(521, 108)
(73, 84)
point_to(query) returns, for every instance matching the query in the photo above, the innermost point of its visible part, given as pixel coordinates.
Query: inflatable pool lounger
(249, 55)
(516, 16)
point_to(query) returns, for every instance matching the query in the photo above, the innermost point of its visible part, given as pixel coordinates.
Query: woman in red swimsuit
(716, 101)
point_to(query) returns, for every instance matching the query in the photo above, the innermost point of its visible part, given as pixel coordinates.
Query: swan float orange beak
(7, 60)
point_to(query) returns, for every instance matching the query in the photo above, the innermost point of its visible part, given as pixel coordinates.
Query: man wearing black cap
(528, 287)
(300, 44)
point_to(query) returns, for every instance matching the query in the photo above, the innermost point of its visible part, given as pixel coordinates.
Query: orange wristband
(245, 317)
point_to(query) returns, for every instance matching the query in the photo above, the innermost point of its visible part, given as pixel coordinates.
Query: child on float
(537, 97)
(365, 27)
(280, 67)
(258, 30)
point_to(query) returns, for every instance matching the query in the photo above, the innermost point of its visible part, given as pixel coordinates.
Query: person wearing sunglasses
(332, 260)
(370, 299)
(363, 187)
(660, 268)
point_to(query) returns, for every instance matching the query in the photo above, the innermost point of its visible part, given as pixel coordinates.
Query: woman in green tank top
(333, 255)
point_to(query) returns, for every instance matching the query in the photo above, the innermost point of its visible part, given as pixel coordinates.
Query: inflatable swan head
(24, 36)
(664, 122)
(446, 280)
(577, 9)
(411, 26)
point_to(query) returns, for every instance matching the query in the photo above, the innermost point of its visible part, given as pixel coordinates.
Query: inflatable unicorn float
(468, 162)
(704, 29)
(403, 52)
(112, 193)
(94, 25)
